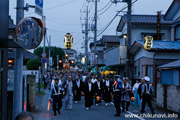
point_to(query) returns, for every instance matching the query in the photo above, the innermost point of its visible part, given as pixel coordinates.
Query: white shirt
(89, 86)
(53, 82)
(84, 78)
(98, 84)
(107, 83)
(93, 80)
(78, 83)
(136, 85)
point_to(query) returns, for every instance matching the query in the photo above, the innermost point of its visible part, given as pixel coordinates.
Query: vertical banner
(92, 59)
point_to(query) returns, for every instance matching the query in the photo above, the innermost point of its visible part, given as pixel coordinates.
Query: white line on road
(135, 115)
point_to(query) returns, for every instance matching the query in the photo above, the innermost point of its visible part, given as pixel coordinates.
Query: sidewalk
(41, 104)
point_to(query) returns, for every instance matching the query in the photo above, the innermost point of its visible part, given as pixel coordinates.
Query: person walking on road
(117, 89)
(46, 79)
(56, 93)
(146, 93)
(108, 90)
(89, 92)
(78, 84)
(98, 89)
(135, 92)
(69, 91)
(126, 89)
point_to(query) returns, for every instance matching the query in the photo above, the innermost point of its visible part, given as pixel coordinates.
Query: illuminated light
(83, 60)
(124, 36)
(48, 105)
(64, 65)
(60, 61)
(10, 61)
(72, 61)
(148, 42)
(66, 55)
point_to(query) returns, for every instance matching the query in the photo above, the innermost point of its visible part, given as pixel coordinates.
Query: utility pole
(95, 31)
(57, 62)
(86, 39)
(128, 41)
(49, 51)
(4, 26)
(44, 47)
(17, 94)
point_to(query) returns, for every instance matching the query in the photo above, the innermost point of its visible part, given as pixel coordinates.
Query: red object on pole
(48, 105)
(115, 83)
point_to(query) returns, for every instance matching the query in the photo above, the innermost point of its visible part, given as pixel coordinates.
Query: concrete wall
(172, 101)
(31, 92)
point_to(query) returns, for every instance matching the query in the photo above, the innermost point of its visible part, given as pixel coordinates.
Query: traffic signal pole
(17, 94)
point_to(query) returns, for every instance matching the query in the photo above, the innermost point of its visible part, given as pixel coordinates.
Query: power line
(56, 6)
(61, 23)
(104, 6)
(113, 19)
(106, 9)
(60, 5)
(62, 31)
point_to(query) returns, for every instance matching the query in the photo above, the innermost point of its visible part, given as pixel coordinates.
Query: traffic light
(60, 61)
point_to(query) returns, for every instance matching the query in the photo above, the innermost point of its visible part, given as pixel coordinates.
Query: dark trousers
(88, 99)
(147, 99)
(98, 94)
(57, 100)
(108, 96)
(117, 101)
(45, 85)
(77, 97)
(127, 105)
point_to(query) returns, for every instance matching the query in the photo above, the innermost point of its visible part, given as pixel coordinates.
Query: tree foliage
(33, 64)
(54, 52)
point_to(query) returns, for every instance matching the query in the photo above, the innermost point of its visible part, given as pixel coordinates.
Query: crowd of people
(68, 87)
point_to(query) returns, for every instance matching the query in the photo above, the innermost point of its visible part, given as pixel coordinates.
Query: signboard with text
(39, 7)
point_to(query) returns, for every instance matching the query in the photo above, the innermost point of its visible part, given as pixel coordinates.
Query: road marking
(135, 115)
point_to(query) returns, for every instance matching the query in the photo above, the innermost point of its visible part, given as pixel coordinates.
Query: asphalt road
(79, 112)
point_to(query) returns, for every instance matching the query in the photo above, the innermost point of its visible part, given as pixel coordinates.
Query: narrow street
(79, 112)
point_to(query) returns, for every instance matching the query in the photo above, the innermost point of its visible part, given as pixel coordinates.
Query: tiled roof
(147, 19)
(164, 45)
(26, 54)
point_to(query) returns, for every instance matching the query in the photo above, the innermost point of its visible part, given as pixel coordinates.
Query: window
(177, 32)
(136, 71)
(154, 35)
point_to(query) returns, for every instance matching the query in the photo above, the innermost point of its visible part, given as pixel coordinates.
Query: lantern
(132, 99)
(98, 98)
(148, 42)
(68, 40)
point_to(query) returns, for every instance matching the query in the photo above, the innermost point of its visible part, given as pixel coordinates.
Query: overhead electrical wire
(61, 23)
(104, 29)
(104, 6)
(105, 10)
(55, 6)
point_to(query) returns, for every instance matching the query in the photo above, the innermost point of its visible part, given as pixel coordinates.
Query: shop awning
(8, 43)
(107, 68)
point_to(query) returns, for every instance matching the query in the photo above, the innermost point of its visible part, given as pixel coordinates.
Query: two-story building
(168, 75)
(105, 43)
